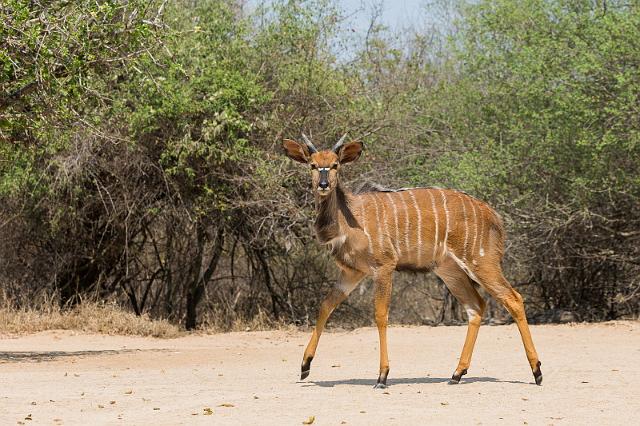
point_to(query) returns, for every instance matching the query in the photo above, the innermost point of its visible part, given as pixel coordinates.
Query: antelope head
(324, 164)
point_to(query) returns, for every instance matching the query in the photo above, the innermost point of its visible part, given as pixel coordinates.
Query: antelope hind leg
(497, 285)
(461, 286)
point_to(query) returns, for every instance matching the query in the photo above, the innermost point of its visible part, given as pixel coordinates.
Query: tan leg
(497, 285)
(347, 281)
(383, 282)
(462, 289)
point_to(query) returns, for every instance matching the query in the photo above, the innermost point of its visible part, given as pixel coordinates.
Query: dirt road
(591, 376)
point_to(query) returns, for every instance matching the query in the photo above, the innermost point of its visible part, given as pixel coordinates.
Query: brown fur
(374, 233)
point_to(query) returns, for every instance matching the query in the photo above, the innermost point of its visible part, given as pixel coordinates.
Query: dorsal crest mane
(376, 187)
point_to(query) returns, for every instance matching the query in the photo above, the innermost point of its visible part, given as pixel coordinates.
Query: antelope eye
(314, 166)
(334, 166)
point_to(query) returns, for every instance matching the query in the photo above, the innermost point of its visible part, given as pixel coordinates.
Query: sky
(399, 16)
(395, 14)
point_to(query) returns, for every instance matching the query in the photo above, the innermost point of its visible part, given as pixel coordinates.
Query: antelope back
(421, 226)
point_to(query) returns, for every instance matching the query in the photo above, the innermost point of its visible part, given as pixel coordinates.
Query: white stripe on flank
(466, 227)
(395, 217)
(481, 235)
(475, 228)
(384, 226)
(406, 223)
(446, 215)
(364, 225)
(419, 213)
(375, 200)
(435, 220)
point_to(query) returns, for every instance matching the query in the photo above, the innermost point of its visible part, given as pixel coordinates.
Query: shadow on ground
(40, 356)
(408, 381)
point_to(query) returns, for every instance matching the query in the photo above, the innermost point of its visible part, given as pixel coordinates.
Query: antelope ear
(296, 151)
(350, 152)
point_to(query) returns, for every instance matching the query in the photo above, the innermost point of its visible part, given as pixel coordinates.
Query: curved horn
(337, 146)
(312, 149)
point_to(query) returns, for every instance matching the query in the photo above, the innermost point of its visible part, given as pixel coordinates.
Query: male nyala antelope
(373, 234)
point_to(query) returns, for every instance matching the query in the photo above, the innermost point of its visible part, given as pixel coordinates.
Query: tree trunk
(197, 287)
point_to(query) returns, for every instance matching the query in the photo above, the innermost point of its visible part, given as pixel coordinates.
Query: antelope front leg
(347, 281)
(382, 300)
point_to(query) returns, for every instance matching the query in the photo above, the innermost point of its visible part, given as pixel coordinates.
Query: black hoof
(537, 374)
(304, 374)
(382, 379)
(305, 369)
(455, 379)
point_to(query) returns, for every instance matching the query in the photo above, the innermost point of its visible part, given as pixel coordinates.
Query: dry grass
(87, 317)
(109, 318)
(215, 322)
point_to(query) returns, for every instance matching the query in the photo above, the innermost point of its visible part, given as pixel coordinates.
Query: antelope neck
(333, 214)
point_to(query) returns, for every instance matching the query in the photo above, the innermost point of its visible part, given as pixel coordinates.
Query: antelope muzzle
(323, 183)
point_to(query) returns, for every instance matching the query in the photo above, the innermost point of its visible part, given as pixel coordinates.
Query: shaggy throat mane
(330, 210)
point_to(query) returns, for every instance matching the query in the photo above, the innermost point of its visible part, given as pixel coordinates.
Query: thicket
(140, 150)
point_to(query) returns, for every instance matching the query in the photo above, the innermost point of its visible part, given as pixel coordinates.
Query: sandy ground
(591, 376)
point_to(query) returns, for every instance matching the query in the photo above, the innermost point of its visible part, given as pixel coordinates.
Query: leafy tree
(542, 119)
(140, 157)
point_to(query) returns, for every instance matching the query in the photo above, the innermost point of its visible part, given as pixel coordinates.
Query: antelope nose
(323, 184)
